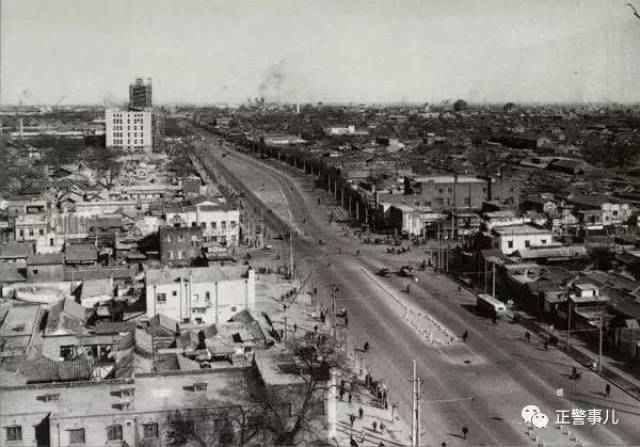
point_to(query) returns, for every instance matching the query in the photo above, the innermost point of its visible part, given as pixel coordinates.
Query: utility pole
(600, 340)
(415, 426)
(569, 326)
(290, 255)
(334, 294)
(493, 264)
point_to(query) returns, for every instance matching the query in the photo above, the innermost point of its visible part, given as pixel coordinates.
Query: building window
(543, 241)
(467, 200)
(527, 244)
(14, 433)
(234, 308)
(203, 225)
(68, 352)
(194, 224)
(168, 239)
(114, 432)
(233, 223)
(174, 293)
(510, 244)
(207, 297)
(170, 255)
(150, 430)
(76, 436)
(180, 254)
(214, 225)
(35, 271)
(161, 298)
(41, 232)
(223, 224)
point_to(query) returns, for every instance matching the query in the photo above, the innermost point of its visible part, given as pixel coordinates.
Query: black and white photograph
(377, 223)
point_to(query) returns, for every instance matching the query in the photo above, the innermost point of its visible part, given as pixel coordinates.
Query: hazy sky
(321, 50)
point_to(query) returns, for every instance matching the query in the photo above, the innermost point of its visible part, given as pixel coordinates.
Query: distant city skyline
(361, 51)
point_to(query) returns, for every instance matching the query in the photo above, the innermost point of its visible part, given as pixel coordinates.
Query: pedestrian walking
(315, 328)
(352, 419)
(353, 442)
(465, 335)
(374, 425)
(295, 327)
(382, 427)
(346, 322)
(361, 412)
(465, 432)
(341, 393)
(366, 346)
(527, 336)
(349, 397)
(607, 390)
(363, 436)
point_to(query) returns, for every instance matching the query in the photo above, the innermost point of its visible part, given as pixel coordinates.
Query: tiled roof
(46, 370)
(81, 252)
(16, 250)
(45, 259)
(67, 315)
(114, 328)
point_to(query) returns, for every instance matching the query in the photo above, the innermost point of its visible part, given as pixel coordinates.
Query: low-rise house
(15, 252)
(517, 237)
(84, 254)
(202, 295)
(600, 209)
(45, 267)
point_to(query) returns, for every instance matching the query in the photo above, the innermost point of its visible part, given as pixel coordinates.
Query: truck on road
(489, 306)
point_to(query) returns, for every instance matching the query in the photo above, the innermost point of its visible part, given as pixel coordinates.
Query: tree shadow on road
(598, 403)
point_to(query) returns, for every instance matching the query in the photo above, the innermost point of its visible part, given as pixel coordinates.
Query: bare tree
(263, 414)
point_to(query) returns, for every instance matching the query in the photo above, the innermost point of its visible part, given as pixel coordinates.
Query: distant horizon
(332, 103)
(362, 51)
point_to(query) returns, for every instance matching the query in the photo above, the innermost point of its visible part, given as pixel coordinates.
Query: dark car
(406, 270)
(384, 272)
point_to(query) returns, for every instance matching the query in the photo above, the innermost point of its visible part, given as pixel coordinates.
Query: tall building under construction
(140, 94)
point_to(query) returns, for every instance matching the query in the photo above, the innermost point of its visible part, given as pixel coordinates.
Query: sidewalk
(580, 352)
(302, 317)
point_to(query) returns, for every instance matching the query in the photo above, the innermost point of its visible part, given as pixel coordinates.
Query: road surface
(483, 383)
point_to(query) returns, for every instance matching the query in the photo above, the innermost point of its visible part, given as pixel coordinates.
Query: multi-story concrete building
(451, 192)
(118, 412)
(129, 130)
(140, 94)
(180, 246)
(202, 295)
(220, 223)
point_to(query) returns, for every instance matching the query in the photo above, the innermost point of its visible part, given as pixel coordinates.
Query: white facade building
(130, 130)
(220, 223)
(519, 237)
(204, 295)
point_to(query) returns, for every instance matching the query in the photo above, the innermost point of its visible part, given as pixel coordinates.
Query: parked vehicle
(406, 270)
(384, 272)
(490, 306)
